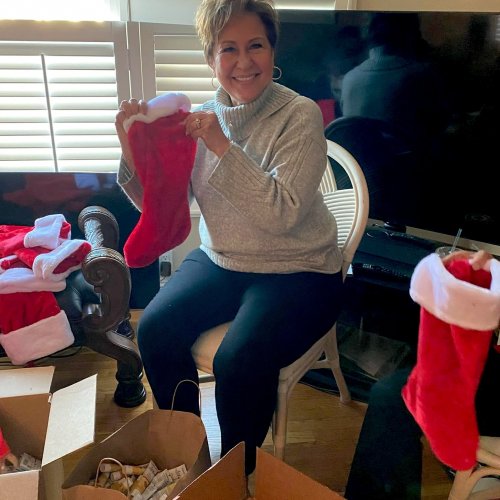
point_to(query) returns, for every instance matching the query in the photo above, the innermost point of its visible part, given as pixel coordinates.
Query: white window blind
(58, 101)
(180, 67)
(173, 61)
(90, 10)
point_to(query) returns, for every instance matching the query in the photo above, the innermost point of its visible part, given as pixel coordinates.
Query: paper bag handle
(175, 392)
(109, 459)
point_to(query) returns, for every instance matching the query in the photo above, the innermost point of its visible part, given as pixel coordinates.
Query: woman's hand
(205, 125)
(477, 259)
(126, 110)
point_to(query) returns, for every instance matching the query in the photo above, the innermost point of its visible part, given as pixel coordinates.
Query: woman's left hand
(477, 259)
(205, 125)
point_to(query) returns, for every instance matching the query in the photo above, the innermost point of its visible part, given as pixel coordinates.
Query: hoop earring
(280, 73)
(212, 82)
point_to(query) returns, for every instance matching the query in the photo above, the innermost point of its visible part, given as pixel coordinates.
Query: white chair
(488, 458)
(350, 207)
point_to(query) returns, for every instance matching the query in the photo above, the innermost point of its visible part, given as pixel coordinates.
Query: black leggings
(276, 318)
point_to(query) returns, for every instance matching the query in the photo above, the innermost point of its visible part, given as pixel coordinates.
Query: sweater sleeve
(275, 190)
(130, 184)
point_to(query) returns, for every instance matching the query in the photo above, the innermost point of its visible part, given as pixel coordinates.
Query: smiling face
(243, 58)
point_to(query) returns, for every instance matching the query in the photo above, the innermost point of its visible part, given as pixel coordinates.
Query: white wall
(183, 12)
(192, 241)
(428, 5)
(164, 11)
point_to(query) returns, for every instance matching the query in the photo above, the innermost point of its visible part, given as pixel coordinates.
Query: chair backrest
(349, 206)
(395, 173)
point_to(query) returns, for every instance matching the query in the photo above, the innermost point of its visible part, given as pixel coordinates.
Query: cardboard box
(169, 438)
(274, 480)
(44, 425)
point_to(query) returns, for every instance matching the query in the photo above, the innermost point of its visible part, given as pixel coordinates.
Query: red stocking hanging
(164, 157)
(460, 308)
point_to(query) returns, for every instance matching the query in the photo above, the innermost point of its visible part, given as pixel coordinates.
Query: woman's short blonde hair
(213, 15)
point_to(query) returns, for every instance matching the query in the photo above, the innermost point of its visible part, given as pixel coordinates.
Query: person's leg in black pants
(277, 317)
(199, 296)
(280, 317)
(387, 462)
(487, 394)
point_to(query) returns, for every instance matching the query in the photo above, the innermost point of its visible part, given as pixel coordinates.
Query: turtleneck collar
(238, 122)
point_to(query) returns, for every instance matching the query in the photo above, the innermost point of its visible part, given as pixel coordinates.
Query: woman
(268, 259)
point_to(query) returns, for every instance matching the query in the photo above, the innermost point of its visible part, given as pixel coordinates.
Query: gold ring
(198, 123)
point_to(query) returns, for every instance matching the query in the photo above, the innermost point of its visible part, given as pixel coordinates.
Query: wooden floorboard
(322, 432)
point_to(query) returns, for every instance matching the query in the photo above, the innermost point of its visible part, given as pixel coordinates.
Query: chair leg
(279, 425)
(332, 355)
(130, 391)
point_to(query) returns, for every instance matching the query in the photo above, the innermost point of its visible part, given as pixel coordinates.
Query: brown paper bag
(169, 438)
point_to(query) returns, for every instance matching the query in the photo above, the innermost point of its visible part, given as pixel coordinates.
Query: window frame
(114, 32)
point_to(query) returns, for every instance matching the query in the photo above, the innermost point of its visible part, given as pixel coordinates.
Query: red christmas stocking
(164, 157)
(460, 308)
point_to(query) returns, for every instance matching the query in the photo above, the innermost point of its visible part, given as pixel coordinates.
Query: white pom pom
(162, 105)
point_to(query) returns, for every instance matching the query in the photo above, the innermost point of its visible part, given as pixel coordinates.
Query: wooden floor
(322, 432)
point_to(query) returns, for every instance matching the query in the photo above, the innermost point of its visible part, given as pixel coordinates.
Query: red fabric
(164, 158)
(65, 232)
(11, 263)
(4, 447)
(12, 238)
(28, 255)
(441, 389)
(75, 259)
(21, 309)
(327, 107)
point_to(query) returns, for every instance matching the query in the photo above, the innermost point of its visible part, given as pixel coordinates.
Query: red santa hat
(163, 157)
(48, 232)
(460, 307)
(32, 326)
(23, 279)
(56, 264)
(44, 247)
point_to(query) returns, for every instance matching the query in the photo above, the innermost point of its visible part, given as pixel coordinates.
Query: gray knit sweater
(260, 205)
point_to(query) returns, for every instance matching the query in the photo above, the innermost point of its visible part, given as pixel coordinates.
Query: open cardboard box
(274, 480)
(45, 425)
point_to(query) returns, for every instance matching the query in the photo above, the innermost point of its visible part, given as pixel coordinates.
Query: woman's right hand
(126, 110)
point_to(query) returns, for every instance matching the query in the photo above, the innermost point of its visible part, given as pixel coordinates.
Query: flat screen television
(415, 97)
